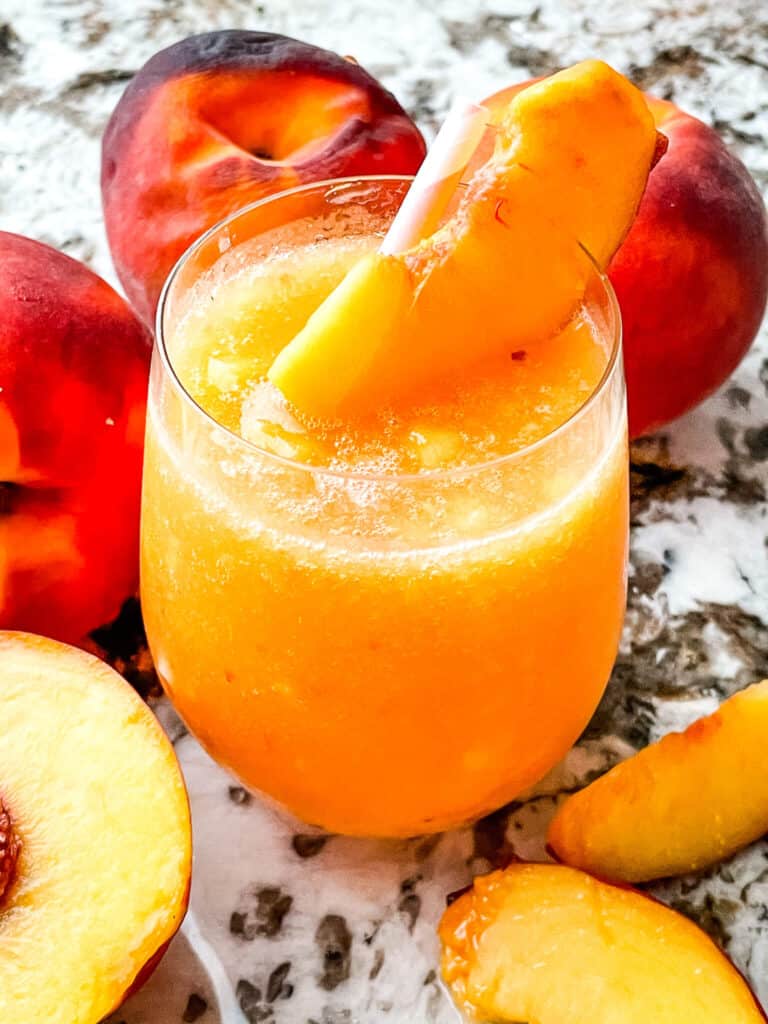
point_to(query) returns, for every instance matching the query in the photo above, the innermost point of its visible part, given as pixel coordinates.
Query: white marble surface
(346, 935)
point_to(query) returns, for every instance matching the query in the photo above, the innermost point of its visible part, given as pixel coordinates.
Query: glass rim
(351, 475)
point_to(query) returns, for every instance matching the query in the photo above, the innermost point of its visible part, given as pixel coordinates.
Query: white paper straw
(438, 177)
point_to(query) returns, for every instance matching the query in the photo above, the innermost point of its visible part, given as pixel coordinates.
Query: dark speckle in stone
(656, 480)
(653, 476)
(465, 35)
(490, 839)
(423, 98)
(10, 44)
(756, 900)
(334, 940)
(738, 398)
(427, 846)
(306, 846)
(410, 902)
(738, 480)
(239, 796)
(647, 577)
(378, 963)
(681, 61)
(330, 1016)
(430, 978)
(196, 1008)
(739, 487)
(726, 431)
(624, 714)
(276, 987)
(89, 79)
(731, 133)
(670, 658)
(715, 916)
(756, 440)
(249, 998)
(125, 644)
(538, 62)
(263, 917)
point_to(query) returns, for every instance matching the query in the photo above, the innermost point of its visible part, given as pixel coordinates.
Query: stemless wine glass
(382, 654)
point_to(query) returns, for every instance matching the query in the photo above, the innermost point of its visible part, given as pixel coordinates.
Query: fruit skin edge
(676, 787)
(76, 661)
(468, 894)
(514, 248)
(689, 318)
(212, 158)
(74, 362)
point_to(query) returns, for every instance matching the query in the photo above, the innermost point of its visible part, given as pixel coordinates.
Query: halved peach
(701, 795)
(548, 944)
(571, 161)
(95, 849)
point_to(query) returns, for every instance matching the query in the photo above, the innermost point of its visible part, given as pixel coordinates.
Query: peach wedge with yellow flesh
(548, 944)
(571, 160)
(701, 795)
(95, 847)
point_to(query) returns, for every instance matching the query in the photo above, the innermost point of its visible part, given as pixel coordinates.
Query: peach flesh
(691, 276)
(509, 250)
(550, 944)
(99, 803)
(702, 795)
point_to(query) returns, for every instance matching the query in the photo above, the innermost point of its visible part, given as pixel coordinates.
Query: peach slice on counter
(571, 160)
(701, 795)
(95, 838)
(547, 944)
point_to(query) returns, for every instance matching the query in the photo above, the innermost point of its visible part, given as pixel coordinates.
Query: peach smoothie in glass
(394, 621)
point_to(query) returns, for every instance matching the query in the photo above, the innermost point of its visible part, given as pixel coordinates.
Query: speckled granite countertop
(291, 928)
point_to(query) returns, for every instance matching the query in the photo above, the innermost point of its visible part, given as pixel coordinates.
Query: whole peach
(222, 119)
(692, 274)
(74, 361)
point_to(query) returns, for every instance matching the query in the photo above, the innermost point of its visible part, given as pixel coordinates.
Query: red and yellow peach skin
(699, 795)
(692, 274)
(222, 119)
(97, 811)
(547, 943)
(74, 362)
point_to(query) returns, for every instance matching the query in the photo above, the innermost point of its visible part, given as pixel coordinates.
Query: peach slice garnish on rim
(570, 163)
